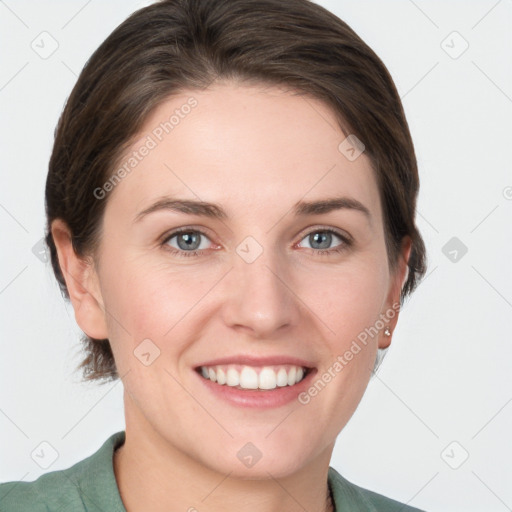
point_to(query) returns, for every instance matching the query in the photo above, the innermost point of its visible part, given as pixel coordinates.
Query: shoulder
(86, 486)
(348, 496)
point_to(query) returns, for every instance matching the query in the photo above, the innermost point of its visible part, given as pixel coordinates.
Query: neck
(152, 474)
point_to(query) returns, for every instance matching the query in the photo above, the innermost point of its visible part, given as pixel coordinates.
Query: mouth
(262, 378)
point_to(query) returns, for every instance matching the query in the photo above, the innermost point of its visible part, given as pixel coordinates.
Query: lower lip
(263, 399)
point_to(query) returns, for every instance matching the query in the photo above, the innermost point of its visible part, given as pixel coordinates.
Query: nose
(259, 296)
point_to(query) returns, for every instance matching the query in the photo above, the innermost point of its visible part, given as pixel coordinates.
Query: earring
(387, 332)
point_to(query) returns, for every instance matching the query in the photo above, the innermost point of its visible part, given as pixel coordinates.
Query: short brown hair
(177, 45)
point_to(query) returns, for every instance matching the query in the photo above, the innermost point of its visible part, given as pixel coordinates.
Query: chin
(249, 462)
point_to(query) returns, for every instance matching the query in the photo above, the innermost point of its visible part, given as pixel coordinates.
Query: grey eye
(321, 239)
(188, 241)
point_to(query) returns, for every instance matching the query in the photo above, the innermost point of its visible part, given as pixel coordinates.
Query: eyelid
(306, 231)
(344, 235)
(184, 229)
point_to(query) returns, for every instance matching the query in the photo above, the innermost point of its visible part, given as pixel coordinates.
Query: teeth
(221, 376)
(267, 379)
(248, 377)
(233, 377)
(291, 376)
(282, 378)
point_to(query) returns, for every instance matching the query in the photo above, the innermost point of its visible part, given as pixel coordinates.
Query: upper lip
(258, 361)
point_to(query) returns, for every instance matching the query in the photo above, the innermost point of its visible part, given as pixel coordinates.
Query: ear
(82, 284)
(397, 281)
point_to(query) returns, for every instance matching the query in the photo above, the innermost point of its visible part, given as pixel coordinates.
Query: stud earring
(387, 332)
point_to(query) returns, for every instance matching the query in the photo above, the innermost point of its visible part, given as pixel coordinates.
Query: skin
(255, 151)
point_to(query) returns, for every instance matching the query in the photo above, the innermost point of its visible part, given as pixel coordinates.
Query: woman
(230, 207)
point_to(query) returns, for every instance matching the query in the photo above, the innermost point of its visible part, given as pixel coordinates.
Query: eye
(192, 242)
(321, 239)
(186, 242)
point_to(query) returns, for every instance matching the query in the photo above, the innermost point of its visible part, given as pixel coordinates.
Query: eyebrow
(215, 211)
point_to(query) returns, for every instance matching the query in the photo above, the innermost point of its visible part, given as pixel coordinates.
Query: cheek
(348, 304)
(151, 301)
(347, 299)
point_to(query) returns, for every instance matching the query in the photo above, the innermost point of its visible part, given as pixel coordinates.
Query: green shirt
(90, 486)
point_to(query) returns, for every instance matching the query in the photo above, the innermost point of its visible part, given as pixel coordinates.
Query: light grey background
(444, 390)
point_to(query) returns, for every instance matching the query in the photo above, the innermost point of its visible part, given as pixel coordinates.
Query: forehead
(249, 148)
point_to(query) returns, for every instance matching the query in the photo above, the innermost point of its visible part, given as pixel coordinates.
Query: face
(259, 282)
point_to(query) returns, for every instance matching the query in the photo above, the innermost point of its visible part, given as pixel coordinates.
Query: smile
(254, 377)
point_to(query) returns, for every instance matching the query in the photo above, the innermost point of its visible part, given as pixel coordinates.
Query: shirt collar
(96, 478)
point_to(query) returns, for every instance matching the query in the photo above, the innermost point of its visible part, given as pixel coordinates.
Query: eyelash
(321, 252)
